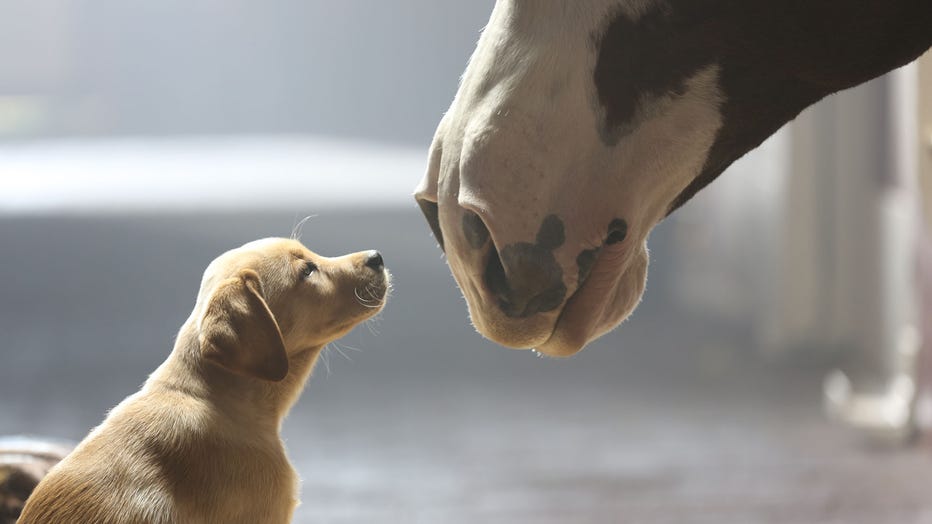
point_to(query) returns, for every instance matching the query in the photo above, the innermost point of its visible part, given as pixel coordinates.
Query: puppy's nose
(374, 260)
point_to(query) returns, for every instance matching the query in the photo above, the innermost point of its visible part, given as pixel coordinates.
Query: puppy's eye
(309, 268)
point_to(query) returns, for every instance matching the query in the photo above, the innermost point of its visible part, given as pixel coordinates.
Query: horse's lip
(564, 339)
(567, 339)
(558, 346)
(494, 325)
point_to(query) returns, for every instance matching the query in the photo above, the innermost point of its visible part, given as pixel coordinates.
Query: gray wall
(354, 68)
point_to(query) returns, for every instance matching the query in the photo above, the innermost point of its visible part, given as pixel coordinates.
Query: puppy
(200, 442)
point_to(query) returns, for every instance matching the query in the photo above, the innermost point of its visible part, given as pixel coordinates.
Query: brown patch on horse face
(642, 67)
(774, 58)
(526, 278)
(785, 56)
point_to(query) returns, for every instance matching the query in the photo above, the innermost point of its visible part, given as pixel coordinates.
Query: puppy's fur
(200, 442)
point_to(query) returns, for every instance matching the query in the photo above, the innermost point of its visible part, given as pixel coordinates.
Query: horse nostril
(617, 231)
(374, 261)
(495, 278)
(474, 229)
(536, 284)
(432, 214)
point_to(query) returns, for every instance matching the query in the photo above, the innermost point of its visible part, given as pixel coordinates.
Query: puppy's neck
(251, 401)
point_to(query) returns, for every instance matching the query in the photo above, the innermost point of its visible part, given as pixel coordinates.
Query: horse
(579, 125)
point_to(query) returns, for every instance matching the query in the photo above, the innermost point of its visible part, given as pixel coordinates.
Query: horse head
(579, 125)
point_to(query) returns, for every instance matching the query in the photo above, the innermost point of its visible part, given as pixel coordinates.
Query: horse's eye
(309, 268)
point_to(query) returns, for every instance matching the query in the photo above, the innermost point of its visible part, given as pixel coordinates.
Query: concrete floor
(670, 419)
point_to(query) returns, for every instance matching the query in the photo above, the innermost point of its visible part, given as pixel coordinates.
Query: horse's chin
(524, 333)
(603, 302)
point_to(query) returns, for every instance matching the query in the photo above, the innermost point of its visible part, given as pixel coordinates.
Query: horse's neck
(830, 44)
(777, 58)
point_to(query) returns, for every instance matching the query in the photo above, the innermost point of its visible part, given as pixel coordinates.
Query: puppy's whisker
(358, 296)
(376, 319)
(379, 299)
(351, 348)
(369, 325)
(298, 228)
(325, 356)
(366, 302)
(340, 351)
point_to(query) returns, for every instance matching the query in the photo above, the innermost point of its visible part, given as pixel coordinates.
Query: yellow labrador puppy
(200, 442)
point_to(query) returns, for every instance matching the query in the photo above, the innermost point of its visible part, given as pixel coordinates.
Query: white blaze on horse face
(528, 189)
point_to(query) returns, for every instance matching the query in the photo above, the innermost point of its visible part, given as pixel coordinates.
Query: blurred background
(140, 140)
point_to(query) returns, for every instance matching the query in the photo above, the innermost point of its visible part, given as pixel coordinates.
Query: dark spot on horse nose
(536, 282)
(551, 235)
(525, 278)
(374, 260)
(474, 230)
(431, 213)
(585, 261)
(617, 231)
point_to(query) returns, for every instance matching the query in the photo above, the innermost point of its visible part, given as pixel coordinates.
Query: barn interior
(774, 371)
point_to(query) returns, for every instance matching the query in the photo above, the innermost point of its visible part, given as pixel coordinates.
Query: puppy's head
(272, 298)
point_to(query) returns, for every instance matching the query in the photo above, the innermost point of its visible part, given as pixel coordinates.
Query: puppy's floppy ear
(237, 330)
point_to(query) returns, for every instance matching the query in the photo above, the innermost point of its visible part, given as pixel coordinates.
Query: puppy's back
(167, 458)
(110, 477)
(79, 495)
